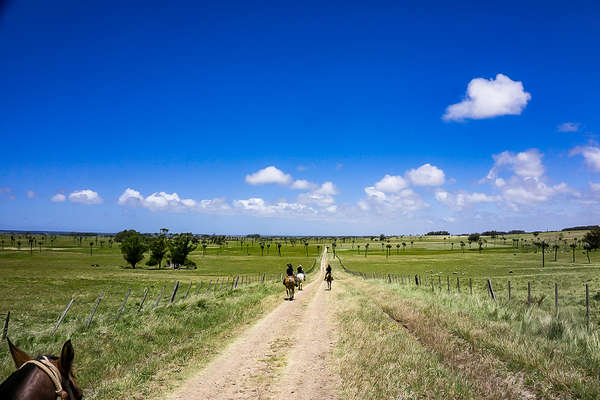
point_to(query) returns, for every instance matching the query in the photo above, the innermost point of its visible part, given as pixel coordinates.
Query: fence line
(418, 282)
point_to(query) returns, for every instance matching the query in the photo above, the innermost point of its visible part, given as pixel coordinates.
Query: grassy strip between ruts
(142, 356)
(520, 352)
(378, 359)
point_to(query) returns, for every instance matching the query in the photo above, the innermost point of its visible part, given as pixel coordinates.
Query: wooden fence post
(509, 294)
(172, 299)
(5, 329)
(159, 297)
(528, 293)
(458, 284)
(199, 287)
(587, 306)
(263, 278)
(448, 280)
(236, 281)
(471, 285)
(490, 289)
(143, 300)
(416, 279)
(555, 296)
(389, 278)
(187, 291)
(440, 281)
(124, 301)
(94, 309)
(63, 315)
(432, 289)
(216, 284)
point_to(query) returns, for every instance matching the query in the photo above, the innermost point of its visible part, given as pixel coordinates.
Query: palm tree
(462, 246)
(573, 246)
(262, 248)
(279, 249)
(19, 244)
(91, 245)
(403, 246)
(397, 248)
(387, 253)
(366, 249)
(555, 247)
(543, 246)
(358, 249)
(268, 247)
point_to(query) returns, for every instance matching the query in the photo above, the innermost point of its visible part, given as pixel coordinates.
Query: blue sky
(481, 117)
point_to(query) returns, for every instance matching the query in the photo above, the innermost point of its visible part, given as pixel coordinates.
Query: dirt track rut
(285, 354)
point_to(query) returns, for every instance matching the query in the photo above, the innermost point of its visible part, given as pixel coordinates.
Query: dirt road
(286, 354)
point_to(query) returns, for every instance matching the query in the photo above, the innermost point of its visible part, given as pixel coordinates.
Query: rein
(53, 373)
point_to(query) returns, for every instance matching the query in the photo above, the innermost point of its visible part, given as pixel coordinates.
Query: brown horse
(45, 378)
(328, 279)
(290, 285)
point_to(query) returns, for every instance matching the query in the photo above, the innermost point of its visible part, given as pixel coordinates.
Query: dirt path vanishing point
(285, 354)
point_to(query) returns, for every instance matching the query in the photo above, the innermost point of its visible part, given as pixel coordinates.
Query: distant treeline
(582, 228)
(438, 233)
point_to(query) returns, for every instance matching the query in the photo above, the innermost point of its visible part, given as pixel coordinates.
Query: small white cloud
(526, 192)
(500, 182)
(7, 192)
(391, 184)
(58, 198)
(489, 98)
(595, 186)
(459, 200)
(269, 174)
(130, 197)
(568, 127)
(301, 184)
(404, 201)
(527, 164)
(426, 175)
(160, 201)
(590, 154)
(85, 196)
(30, 194)
(323, 196)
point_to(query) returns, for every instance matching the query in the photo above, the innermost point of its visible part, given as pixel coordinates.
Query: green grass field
(145, 353)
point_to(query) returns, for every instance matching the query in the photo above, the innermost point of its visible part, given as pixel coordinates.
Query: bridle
(53, 373)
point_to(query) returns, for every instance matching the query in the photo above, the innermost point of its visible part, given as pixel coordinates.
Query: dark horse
(45, 378)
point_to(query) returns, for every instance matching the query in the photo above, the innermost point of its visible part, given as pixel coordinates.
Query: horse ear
(66, 357)
(18, 355)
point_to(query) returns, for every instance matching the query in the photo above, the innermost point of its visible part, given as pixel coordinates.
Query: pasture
(148, 351)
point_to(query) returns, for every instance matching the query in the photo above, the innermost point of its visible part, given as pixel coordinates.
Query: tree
(306, 248)
(366, 249)
(133, 248)
(279, 249)
(573, 246)
(158, 250)
(262, 249)
(462, 246)
(180, 247)
(555, 247)
(473, 238)
(382, 237)
(91, 245)
(592, 238)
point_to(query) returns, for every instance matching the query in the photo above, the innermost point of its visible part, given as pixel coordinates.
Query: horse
(45, 378)
(290, 284)
(300, 279)
(328, 279)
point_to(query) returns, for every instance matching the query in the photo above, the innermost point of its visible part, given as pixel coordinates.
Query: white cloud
(527, 164)
(269, 174)
(590, 154)
(404, 201)
(568, 127)
(489, 98)
(130, 197)
(301, 184)
(6, 191)
(257, 206)
(30, 194)
(426, 175)
(85, 196)
(391, 184)
(323, 196)
(532, 191)
(595, 186)
(162, 201)
(58, 198)
(459, 200)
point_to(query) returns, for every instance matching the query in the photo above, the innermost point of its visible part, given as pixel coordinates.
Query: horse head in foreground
(44, 378)
(290, 285)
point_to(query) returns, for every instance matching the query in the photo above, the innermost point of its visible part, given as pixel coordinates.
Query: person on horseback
(300, 270)
(290, 270)
(328, 269)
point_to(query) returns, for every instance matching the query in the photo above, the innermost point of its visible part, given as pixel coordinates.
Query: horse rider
(290, 270)
(328, 269)
(300, 270)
